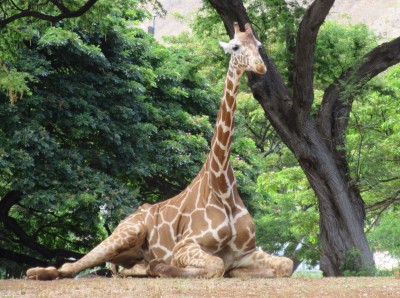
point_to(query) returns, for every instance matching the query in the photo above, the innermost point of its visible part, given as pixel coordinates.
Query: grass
(311, 286)
(307, 274)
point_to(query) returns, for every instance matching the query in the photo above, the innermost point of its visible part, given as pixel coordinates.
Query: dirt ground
(129, 287)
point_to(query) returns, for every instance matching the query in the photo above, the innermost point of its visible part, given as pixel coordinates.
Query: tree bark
(314, 141)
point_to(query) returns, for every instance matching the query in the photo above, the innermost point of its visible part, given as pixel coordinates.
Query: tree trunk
(341, 208)
(314, 141)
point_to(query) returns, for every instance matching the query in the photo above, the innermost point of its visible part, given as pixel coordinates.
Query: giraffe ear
(226, 46)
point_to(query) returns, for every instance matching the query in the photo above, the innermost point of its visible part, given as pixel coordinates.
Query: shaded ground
(116, 287)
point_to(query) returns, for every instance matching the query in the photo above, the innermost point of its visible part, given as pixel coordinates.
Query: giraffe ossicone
(205, 231)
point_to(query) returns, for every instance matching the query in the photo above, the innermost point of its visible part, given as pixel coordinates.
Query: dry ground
(117, 287)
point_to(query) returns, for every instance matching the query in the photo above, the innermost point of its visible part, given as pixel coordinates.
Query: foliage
(13, 9)
(14, 83)
(373, 135)
(384, 237)
(287, 220)
(352, 265)
(33, 13)
(372, 140)
(338, 48)
(100, 17)
(113, 119)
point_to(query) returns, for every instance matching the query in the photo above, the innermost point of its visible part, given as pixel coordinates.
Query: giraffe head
(244, 48)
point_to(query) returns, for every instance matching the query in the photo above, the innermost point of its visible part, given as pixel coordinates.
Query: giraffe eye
(260, 47)
(235, 47)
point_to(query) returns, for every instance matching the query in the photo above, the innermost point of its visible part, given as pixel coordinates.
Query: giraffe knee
(286, 267)
(215, 267)
(283, 266)
(67, 271)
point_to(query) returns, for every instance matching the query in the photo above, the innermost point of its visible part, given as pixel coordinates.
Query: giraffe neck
(221, 176)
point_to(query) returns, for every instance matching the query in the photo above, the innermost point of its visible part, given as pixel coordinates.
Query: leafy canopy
(112, 119)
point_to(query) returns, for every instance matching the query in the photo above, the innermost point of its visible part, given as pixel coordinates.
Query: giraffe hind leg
(122, 247)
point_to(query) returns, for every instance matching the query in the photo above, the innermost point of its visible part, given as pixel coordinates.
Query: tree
(22, 29)
(262, 162)
(20, 21)
(52, 11)
(318, 139)
(112, 119)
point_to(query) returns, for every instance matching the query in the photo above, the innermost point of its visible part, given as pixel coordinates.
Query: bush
(352, 265)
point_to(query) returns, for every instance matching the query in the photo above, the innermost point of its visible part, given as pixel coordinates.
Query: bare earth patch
(129, 287)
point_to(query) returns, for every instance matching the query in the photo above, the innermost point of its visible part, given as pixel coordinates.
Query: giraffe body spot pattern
(203, 232)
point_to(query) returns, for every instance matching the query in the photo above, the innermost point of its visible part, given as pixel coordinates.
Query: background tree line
(97, 117)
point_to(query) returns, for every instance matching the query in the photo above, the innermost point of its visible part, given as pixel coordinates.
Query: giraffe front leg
(50, 273)
(40, 273)
(252, 273)
(189, 261)
(192, 258)
(122, 247)
(258, 261)
(158, 268)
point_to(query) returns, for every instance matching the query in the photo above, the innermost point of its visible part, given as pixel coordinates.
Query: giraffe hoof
(215, 268)
(40, 273)
(155, 266)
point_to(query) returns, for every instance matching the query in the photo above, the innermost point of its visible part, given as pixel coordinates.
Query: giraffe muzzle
(260, 68)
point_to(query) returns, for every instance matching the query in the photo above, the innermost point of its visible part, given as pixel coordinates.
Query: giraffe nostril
(261, 68)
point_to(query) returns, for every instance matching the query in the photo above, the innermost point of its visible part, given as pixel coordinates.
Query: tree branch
(233, 12)
(61, 6)
(335, 108)
(9, 200)
(313, 18)
(385, 203)
(381, 206)
(389, 179)
(21, 258)
(65, 13)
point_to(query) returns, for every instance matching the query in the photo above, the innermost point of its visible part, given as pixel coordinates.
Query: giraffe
(203, 232)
